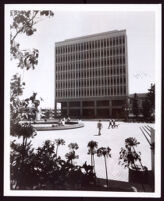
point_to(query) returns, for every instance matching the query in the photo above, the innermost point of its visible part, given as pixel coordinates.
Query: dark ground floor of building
(94, 108)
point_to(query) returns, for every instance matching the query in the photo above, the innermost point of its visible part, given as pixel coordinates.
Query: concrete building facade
(92, 75)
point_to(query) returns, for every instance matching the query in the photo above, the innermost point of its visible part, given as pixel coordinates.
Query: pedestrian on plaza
(99, 126)
(68, 119)
(60, 122)
(110, 123)
(63, 122)
(114, 123)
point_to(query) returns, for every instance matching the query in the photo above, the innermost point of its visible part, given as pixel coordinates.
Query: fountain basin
(54, 126)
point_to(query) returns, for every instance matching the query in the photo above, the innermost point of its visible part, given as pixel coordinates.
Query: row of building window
(90, 77)
(106, 42)
(91, 63)
(93, 103)
(91, 54)
(109, 49)
(90, 82)
(84, 84)
(102, 73)
(90, 72)
(113, 91)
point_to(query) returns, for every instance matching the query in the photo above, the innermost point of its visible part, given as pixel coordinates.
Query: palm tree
(131, 143)
(104, 151)
(92, 145)
(59, 142)
(130, 157)
(73, 146)
(71, 155)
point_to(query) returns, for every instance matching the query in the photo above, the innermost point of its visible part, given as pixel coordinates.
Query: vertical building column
(95, 109)
(68, 108)
(81, 109)
(110, 108)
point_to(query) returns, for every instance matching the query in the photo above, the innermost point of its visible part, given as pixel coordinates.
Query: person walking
(110, 124)
(68, 119)
(99, 126)
(60, 122)
(114, 123)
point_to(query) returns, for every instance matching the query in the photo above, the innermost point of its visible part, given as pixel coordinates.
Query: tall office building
(92, 75)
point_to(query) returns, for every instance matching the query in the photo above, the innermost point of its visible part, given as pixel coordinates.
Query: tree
(23, 22)
(151, 96)
(45, 162)
(92, 145)
(135, 108)
(131, 143)
(73, 146)
(24, 130)
(105, 152)
(125, 111)
(24, 109)
(131, 159)
(71, 155)
(148, 110)
(21, 166)
(58, 143)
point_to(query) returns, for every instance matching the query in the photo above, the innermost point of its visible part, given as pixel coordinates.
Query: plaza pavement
(114, 138)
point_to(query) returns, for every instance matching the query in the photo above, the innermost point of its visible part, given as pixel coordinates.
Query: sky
(140, 28)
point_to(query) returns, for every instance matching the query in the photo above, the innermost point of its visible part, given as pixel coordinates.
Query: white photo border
(156, 8)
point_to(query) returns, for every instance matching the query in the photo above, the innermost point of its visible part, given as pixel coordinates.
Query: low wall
(72, 125)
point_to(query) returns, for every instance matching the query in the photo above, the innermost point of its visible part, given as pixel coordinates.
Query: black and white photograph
(82, 100)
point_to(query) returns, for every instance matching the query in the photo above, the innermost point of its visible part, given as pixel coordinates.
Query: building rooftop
(92, 36)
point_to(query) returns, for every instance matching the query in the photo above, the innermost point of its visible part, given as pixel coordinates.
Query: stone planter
(138, 176)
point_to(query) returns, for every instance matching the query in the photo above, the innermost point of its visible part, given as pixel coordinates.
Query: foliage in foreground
(129, 157)
(41, 169)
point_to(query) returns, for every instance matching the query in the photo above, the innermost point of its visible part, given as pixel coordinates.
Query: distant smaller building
(140, 99)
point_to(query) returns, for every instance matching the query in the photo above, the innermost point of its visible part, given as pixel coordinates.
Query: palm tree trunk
(94, 164)
(26, 142)
(94, 170)
(91, 160)
(106, 172)
(16, 185)
(24, 146)
(23, 141)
